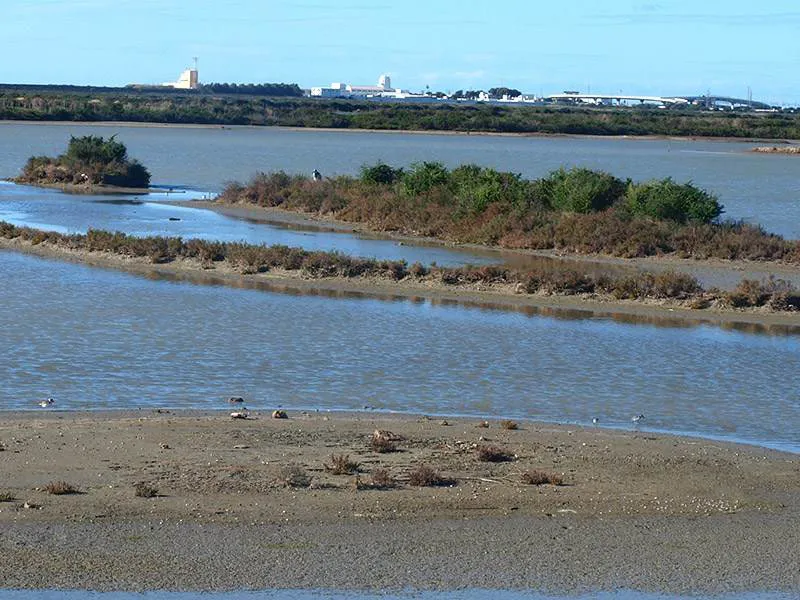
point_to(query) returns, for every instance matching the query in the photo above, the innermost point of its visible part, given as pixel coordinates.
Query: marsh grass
(555, 278)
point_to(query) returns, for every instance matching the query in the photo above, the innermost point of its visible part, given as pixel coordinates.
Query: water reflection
(102, 339)
(306, 288)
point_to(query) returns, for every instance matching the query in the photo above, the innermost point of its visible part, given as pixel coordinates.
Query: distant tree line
(252, 109)
(253, 89)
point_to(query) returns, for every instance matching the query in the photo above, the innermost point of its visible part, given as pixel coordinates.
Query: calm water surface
(94, 338)
(53, 210)
(759, 188)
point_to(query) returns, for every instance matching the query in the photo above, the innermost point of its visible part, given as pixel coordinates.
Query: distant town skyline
(642, 47)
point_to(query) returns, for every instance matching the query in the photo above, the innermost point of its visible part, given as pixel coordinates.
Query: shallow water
(759, 188)
(100, 339)
(52, 210)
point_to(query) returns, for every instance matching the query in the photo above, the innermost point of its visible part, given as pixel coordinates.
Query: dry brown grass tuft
(294, 476)
(493, 454)
(382, 479)
(382, 445)
(61, 488)
(541, 478)
(342, 465)
(510, 425)
(144, 490)
(425, 476)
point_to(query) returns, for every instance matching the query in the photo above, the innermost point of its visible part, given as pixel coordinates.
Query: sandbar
(636, 509)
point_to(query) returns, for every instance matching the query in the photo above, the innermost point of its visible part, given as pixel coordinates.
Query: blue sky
(644, 47)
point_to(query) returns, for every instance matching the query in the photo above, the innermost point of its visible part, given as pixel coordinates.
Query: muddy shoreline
(689, 138)
(637, 510)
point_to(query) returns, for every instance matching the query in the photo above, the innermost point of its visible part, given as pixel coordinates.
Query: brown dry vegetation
(562, 280)
(61, 488)
(540, 478)
(509, 212)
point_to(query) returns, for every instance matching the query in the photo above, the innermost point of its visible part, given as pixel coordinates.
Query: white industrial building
(346, 90)
(188, 80)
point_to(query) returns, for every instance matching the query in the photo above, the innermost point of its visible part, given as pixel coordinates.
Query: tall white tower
(385, 82)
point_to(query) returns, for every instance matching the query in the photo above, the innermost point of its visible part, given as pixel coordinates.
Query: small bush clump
(382, 445)
(6, 497)
(541, 478)
(61, 488)
(493, 454)
(294, 476)
(426, 476)
(144, 490)
(665, 199)
(509, 425)
(342, 465)
(382, 479)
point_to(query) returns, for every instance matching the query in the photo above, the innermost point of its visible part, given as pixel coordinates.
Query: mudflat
(202, 501)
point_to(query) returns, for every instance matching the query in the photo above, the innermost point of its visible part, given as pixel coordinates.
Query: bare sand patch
(635, 509)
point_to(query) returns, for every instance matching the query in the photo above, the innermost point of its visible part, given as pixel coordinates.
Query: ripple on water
(94, 338)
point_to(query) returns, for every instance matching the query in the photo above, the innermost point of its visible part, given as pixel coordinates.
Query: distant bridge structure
(710, 102)
(590, 98)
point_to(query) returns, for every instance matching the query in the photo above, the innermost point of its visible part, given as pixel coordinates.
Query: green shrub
(476, 188)
(582, 190)
(422, 177)
(665, 199)
(381, 173)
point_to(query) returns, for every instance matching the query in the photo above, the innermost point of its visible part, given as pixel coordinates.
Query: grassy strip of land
(577, 211)
(238, 109)
(776, 295)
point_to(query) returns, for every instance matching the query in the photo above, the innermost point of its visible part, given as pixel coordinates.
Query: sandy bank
(638, 510)
(496, 296)
(777, 150)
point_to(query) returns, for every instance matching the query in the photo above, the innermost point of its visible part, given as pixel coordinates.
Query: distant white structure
(346, 90)
(188, 80)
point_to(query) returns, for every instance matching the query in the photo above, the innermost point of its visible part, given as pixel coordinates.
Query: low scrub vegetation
(509, 425)
(88, 160)
(342, 465)
(541, 478)
(382, 479)
(145, 490)
(570, 210)
(248, 104)
(427, 476)
(7, 497)
(775, 294)
(61, 488)
(493, 454)
(295, 476)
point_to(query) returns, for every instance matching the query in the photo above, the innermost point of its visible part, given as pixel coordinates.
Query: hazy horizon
(658, 48)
